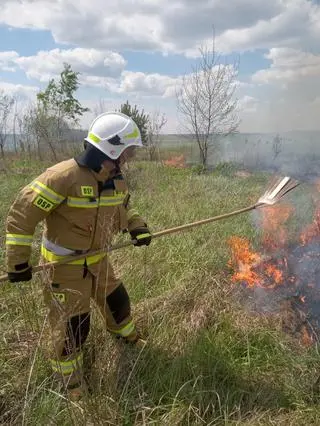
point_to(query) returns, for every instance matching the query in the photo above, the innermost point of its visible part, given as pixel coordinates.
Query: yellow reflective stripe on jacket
(104, 201)
(112, 200)
(52, 257)
(67, 367)
(19, 240)
(132, 213)
(126, 330)
(141, 236)
(46, 192)
(82, 203)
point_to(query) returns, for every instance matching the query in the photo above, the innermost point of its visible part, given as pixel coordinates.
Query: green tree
(57, 111)
(140, 117)
(58, 100)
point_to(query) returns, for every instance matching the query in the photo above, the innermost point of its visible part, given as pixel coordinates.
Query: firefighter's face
(109, 166)
(127, 154)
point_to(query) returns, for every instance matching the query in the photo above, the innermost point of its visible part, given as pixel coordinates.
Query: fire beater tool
(275, 192)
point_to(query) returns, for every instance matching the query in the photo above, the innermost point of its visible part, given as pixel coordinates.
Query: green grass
(208, 361)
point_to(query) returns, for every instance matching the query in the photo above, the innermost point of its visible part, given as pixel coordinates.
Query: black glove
(142, 235)
(15, 277)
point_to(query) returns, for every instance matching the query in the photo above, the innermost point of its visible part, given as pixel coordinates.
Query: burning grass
(286, 266)
(209, 360)
(177, 162)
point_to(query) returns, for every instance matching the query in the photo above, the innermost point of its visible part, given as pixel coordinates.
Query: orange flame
(258, 270)
(177, 162)
(313, 230)
(274, 273)
(273, 218)
(247, 262)
(306, 338)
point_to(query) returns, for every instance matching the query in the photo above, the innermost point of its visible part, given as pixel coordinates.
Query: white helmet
(112, 133)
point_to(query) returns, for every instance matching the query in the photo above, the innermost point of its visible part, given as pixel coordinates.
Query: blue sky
(140, 50)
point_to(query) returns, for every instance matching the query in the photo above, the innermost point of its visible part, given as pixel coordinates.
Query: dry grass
(208, 361)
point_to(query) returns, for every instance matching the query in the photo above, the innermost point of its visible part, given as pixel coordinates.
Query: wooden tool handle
(131, 242)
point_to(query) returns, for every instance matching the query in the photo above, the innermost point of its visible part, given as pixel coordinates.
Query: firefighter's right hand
(15, 277)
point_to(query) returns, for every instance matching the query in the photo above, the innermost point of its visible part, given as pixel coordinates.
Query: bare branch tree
(276, 146)
(14, 124)
(6, 104)
(47, 129)
(156, 122)
(100, 107)
(32, 132)
(20, 133)
(206, 100)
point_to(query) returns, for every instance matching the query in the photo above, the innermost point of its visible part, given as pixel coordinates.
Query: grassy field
(208, 361)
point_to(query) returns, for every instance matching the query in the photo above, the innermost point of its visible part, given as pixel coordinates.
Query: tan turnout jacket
(79, 214)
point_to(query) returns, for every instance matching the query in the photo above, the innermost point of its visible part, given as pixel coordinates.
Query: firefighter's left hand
(142, 235)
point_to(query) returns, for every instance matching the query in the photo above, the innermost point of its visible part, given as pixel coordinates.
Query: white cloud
(283, 95)
(289, 92)
(169, 25)
(97, 68)
(155, 84)
(289, 66)
(148, 84)
(20, 90)
(248, 104)
(7, 60)
(188, 23)
(107, 83)
(297, 25)
(292, 76)
(48, 64)
(100, 69)
(98, 23)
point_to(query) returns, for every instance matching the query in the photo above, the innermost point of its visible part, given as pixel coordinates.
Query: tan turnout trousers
(68, 297)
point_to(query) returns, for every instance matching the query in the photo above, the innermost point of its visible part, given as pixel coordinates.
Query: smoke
(296, 154)
(284, 112)
(287, 277)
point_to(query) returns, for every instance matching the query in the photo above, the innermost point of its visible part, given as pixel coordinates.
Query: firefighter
(84, 202)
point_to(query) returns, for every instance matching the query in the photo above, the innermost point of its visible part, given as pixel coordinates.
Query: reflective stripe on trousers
(67, 367)
(19, 239)
(126, 330)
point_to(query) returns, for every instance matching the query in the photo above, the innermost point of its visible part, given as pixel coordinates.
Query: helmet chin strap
(117, 164)
(93, 158)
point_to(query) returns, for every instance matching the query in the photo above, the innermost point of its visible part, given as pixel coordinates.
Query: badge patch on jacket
(87, 191)
(60, 297)
(43, 203)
